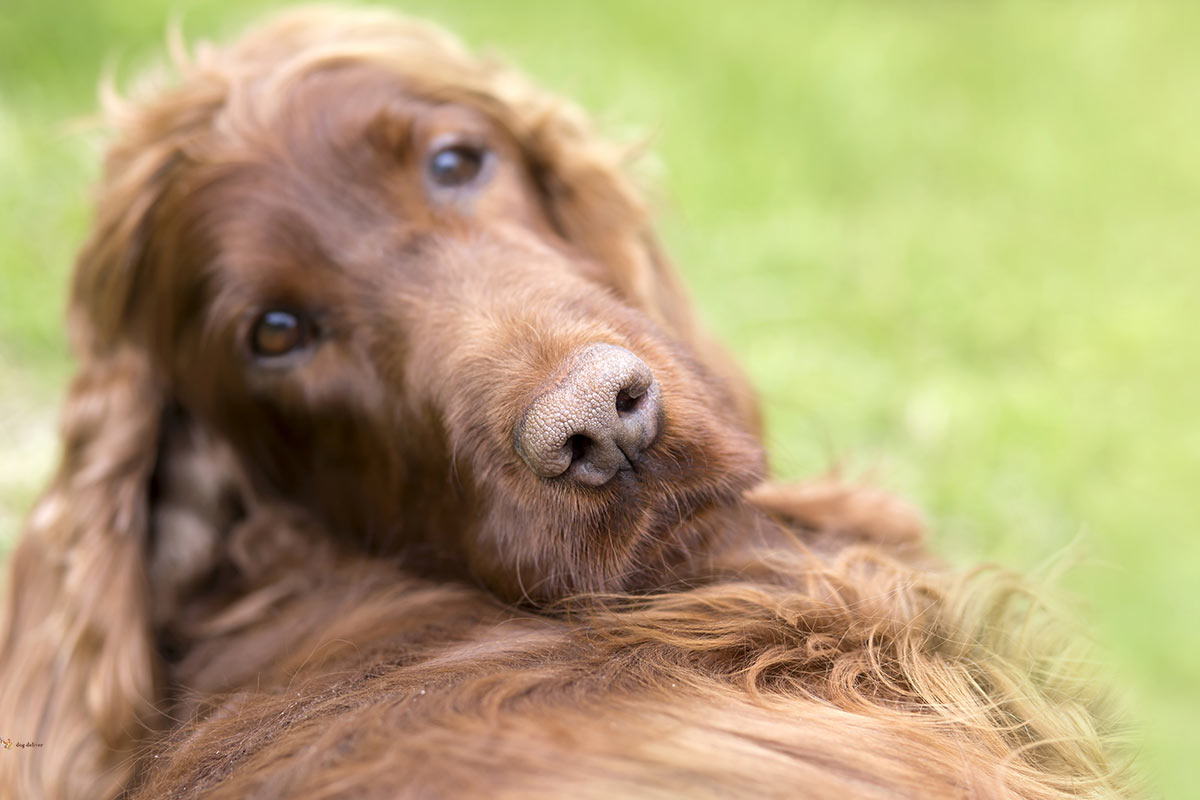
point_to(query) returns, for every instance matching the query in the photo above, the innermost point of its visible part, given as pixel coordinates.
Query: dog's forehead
(353, 101)
(331, 178)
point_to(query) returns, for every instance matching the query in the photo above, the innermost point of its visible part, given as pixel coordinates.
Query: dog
(397, 464)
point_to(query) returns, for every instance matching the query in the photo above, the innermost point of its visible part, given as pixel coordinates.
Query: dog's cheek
(317, 434)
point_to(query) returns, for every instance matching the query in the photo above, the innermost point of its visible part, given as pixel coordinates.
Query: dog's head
(420, 303)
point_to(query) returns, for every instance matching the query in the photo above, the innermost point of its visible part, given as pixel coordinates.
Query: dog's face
(414, 323)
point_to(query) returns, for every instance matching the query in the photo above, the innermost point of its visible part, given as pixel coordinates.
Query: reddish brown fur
(311, 544)
(850, 677)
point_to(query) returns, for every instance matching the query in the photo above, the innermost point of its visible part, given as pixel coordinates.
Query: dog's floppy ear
(77, 655)
(77, 658)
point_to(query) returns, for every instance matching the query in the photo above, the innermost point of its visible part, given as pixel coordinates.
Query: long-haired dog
(396, 465)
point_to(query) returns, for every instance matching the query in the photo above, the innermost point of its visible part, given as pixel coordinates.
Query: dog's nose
(599, 418)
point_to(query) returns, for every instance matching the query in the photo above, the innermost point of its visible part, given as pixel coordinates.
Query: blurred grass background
(955, 244)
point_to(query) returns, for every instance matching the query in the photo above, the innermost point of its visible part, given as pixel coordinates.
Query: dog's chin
(633, 534)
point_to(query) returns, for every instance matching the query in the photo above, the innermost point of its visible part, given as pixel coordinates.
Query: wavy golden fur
(352, 566)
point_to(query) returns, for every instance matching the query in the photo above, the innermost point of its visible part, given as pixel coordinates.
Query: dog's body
(375, 340)
(797, 680)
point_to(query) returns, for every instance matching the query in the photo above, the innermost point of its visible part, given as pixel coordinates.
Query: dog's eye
(456, 164)
(277, 333)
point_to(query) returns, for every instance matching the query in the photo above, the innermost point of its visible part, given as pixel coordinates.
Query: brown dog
(355, 299)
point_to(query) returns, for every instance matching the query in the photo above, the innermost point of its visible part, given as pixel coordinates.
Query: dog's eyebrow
(390, 131)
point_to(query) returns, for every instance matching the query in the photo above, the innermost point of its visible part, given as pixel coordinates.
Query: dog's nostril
(579, 446)
(628, 401)
(596, 421)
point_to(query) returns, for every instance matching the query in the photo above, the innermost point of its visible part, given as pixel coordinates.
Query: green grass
(955, 244)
